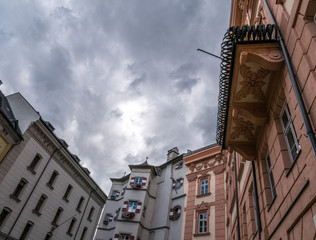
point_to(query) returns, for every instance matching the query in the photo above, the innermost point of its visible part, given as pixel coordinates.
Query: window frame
(34, 164)
(138, 180)
(19, 189)
(79, 205)
(57, 216)
(131, 207)
(197, 222)
(270, 176)
(289, 128)
(67, 193)
(84, 232)
(52, 179)
(200, 180)
(4, 215)
(90, 214)
(40, 203)
(71, 226)
(26, 231)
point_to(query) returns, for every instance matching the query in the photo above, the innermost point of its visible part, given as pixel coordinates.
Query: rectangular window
(39, 204)
(114, 194)
(202, 222)
(66, 195)
(52, 179)
(132, 206)
(289, 133)
(19, 188)
(106, 219)
(48, 236)
(91, 213)
(204, 186)
(34, 163)
(83, 233)
(71, 226)
(270, 174)
(254, 208)
(57, 216)
(138, 180)
(5, 212)
(26, 230)
(80, 204)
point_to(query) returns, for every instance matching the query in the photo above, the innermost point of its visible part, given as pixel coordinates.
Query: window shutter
(181, 181)
(123, 191)
(144, 181)
(139, 207)
(179, 212)
(115, 215)
(132, 181)
(171, 213)
(124, 206)
(116, 236)
(111, 218)
(131, 237)
(173, 184)
(117, 194)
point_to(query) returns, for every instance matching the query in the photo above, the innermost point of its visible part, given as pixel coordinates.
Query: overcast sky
(119, 80)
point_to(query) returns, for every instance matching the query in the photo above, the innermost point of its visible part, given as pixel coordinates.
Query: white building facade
(146, 204)
(45, 192)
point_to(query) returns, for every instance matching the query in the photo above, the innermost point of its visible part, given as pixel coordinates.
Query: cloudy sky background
(119, 80)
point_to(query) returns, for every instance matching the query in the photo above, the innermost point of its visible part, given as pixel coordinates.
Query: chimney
(172, 153)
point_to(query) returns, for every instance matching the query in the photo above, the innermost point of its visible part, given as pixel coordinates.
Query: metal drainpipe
(236, 193)
(307, 123)
(85, 208)
(256, 197)
(28, 198)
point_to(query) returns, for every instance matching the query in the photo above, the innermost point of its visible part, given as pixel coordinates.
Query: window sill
(31, 170)
(69, 234)
(36, 212)
(66, 200)
(202, 234)
(50, 186)
(293, 163)
(89, 219)
(272, 203)
(203, 195)
(15, 198)
(54, 224)
(78, 210)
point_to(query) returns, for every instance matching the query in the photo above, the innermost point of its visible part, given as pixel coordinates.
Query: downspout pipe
(28, 198)
(85, 208)
(253, 168)
(299, 98)
(236, 193)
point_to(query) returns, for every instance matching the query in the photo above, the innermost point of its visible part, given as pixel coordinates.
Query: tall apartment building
(45, 192)
(147, 203)
(204, 208)
(267, 119)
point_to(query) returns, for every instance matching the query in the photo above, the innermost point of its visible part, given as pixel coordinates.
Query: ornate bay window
(202, 216)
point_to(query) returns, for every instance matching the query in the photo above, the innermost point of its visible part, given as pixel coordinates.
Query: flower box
(128, 215)
(137, 186)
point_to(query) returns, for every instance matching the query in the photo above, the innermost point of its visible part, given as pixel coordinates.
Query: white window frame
(204, 186)
(288, 129)
(203, 222)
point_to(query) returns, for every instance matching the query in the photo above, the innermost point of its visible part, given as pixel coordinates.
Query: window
(57, 216)
(26, 230)
(80, 204)
(90, 213)
(179, 165)
(39, 205)
(84, 231)
(202, 223)
(15, 195)
(48, 236)
(52, 179)
(66, 195)
(5, 212)
(204, 186)
(175, 213)
(132, 206)
(254, 208)
(115, 194)
(34, 163)
(71, 226)
(270, 175)
(107, 219)
(138, 180)
(289, 133)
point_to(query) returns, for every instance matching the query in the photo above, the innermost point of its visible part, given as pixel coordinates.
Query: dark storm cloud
(119, 80)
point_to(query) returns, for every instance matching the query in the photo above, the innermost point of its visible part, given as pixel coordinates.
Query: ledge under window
(270, 205)
(65, 199)
(36, 212)
(31, 170)
(201, 234)
(70, 234)
(15, 198)
(50, 186)
(203, 195)
(293, 163)
(78, 210)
